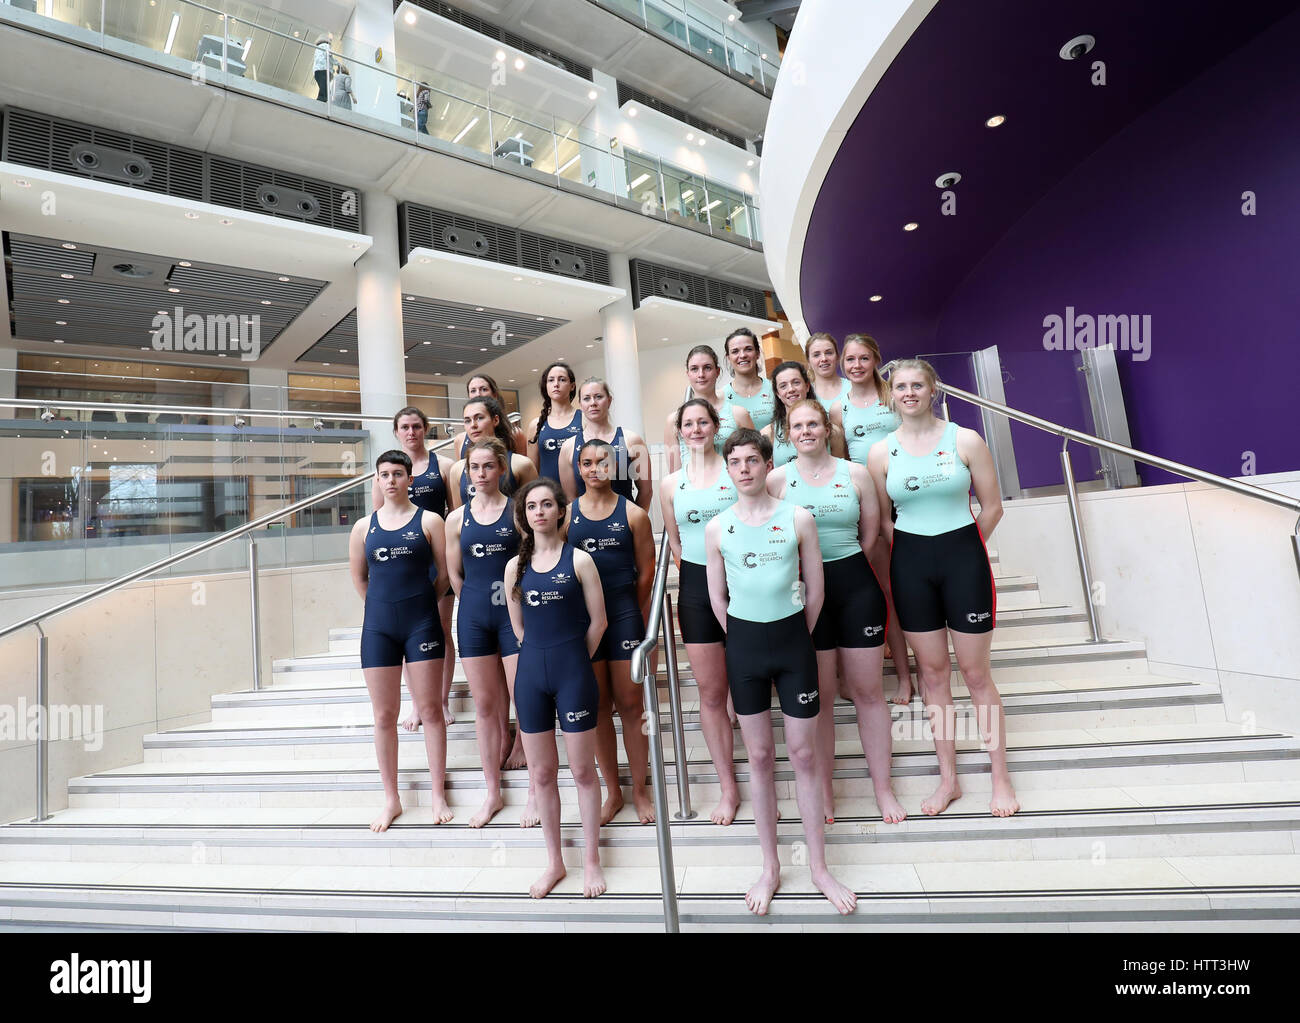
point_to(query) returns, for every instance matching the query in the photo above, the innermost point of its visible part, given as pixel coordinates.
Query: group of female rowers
(779, 504)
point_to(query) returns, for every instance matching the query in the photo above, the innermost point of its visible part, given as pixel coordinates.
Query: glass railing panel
(457, 121)
(591, 165)
(957, 369)
(277, 58)
(77, 19)
(684, 196)
(632, 8)
(525, 139)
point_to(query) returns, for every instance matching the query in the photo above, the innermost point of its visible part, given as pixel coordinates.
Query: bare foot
(412, 722)
(760, 896)
(543, 885)
(943, 795)
(725, 812)
(903, 696)
(442, 813)
(645, 807)
(391, 812)
(530, 818)
(613, 803)
(593, 882)
(1004, 802)
(490, 808)
(447, 715)
(516, 761)
(841, 897)
(890, 808)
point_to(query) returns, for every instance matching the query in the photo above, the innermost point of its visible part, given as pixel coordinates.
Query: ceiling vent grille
(655, 280)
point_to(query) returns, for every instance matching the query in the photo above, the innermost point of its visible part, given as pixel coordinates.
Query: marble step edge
(1135, 753)
(1187, 694)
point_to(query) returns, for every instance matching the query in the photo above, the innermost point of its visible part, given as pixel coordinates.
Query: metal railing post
(1295, 542)
(254, 607)
(43, 723)
(684, 811)
(1080, 546)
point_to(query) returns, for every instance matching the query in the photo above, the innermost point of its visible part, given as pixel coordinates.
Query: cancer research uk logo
(1077, 332)
(179, 331)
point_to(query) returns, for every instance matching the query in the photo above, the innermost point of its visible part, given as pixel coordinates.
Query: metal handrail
(250, 413)
(640, 669)
(1072, 492)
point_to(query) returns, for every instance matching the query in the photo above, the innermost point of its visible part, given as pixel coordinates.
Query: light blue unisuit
(835, 506)
(762, 564)
(761, 407)
(695, 507)
(931, 492)
(845, 384)
(864, 426)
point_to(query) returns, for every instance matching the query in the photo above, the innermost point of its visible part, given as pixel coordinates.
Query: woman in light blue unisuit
(865, 416)
(746, 387)
(702, 370)
(791, 385)
(939, 569)
(823, 356)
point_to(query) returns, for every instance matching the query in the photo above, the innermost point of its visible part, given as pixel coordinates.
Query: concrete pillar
(374, 82)
(622, 363)
(268, 389)
(380, 346)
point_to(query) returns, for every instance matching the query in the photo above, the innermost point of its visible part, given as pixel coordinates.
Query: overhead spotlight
(284, 280)
(191, 216)
(317, 425)
(184, 262)
(240, 422)
(631, 111)
(690, 136)
(68, 245)
(1077, 47)
(46, 415)
(750, 163)
(911, 226)
(995, 121)
(876, 298)
(947, 179)
(593, 94)
(519, 63)
(410, 17)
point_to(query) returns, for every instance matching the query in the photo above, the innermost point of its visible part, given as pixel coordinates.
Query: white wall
(1206, 578)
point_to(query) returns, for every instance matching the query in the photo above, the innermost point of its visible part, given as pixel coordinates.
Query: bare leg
(862, 684)
(529, 818)
(709, 662)
(425, 678)
(828, 689)
(935, 668)
(973, 661)
(543, 772)
(445, 606)
(581, 750)
(801, 746)
(486, 681)
(630, 702)
(893, 631)
(607, 745)
(760, 747)
(385, 687)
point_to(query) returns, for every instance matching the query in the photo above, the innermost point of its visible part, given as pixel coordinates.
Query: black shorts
(406, 630)
(854, 613)
(942, 581)
(763, 654)
(624, 627)
(695, 615)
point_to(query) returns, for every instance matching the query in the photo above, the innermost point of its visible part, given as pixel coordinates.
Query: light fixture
(460, 362)
(569, 164)
(284, 279)
(591, 346)
(171, 33)
(58, 340)
(355, 245)
(410, 17)
(66, 277)
(643, 177)
(518, 278)
(174, 291)
(501, 56)
(763, 56)
(323, 363)
(994, 121)
(410, 298)
(428, 342)
(911, 225)
(343, 351)
(482, 349)
(688, 194)
(184, 262)
(451, 326)
(541, 319)
(225, 221)
(731, 17)
(750, 163)
(631, 111)
(593, 94)
(534, 369)
(478, 308)
(519, 63)
(716, 202)
(68, 245)
(876, 298)
(191, 216)
(690, 136)
(63, 301)
(465, 130)
(60, 323)
(22, 183)
(703, 140)
(266, 301)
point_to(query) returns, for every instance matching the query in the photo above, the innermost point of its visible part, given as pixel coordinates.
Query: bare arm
(810, 566)
(839, 448)
(666, 495)
(643, 544)
(360, 571)
(521, 441)
(642, 470)
(585, 568)
(972, 450)
(512, 602)
(719, 598)
(376, 495)
(869, 516)
(878, 468)
(534, 455)
(744, 421)
(523, 470)
(435, 532)
(672, 452)
(567, 481)
(455, 560)
(776, 483)
(453, 484)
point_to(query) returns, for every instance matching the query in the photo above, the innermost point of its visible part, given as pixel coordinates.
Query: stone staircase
(1143, 807)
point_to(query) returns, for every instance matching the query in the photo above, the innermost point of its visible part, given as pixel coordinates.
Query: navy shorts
(625, 628)
(556, 681)
(407, 630)
(482, 627)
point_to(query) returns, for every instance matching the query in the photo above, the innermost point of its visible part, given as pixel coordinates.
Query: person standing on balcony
(633, 476)
(939, 569)
(702, 372)
(428, 490)
(343, 96)
(747, 388)
(690, 498)
(321, 61)
(617, 535)
(559, 420)
(766, 585)
(823, 357)
(865, 416)
(558, 613)
(791, 385)
(397, 563)
(850, 633)
(423, 101)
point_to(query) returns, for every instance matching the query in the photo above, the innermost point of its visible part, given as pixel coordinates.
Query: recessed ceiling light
(501, 55)
(876, 298)
(509, 335)
(994, 121)
(185, 262)
(68, 245)
(284, 279)
(763, 56)
(460, 362)
(534, 369)
(58, 340)
(66, 277)
(225, 221)
(191, 216)
(410, 298)
(731, 17)
(911, 225)
(482, 349)
(703, 140)
(663, 339)
(323, 363)
(451, 326)
(478, 308)
(631, 111)
(750, 163)
(221, 355)
(162, 312)
(355, 245)
(60, 323)
(343, 351)
(266, 301)
(591, 346)
(511, 380)
(63, 301)
(593, 94)
(690, 136)
(519, 278)
(22, 183)
(410, 17)
(174, 291)
(519, 63)
(540, 319)
(428, 342)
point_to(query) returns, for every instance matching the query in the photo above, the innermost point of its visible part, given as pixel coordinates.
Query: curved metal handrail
(197, 410)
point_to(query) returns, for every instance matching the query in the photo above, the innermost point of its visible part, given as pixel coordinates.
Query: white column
(268, 390)
(380, 348)
(622, 364)
(371, 29)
